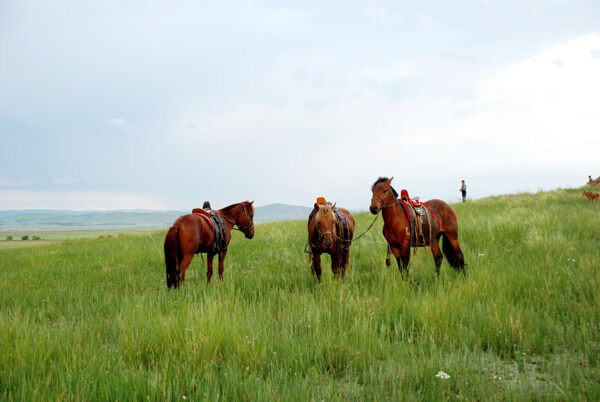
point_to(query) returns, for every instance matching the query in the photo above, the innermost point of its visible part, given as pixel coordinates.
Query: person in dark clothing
(463, 190)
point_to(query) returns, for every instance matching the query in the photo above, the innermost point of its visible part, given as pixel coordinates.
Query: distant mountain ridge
(52, 219)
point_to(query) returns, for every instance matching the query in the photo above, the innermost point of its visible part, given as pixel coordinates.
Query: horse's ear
(390, 180)
(251, 202)
(316, 206)
(334, 204)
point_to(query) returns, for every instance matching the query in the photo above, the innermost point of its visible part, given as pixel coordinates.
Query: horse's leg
(402, 257)
(345, 261)
(335, 264)
(221, 264)
(316, 265)
(185, 263)
(209, 266)
(437, 255)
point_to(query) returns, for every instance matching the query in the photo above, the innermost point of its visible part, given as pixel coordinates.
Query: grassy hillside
(92, 319)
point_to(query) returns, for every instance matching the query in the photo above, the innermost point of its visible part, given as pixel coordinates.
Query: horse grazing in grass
(330, 231)
(397, 228)
(193, 233)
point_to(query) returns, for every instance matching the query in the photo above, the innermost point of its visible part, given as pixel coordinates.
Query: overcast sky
(131, 104)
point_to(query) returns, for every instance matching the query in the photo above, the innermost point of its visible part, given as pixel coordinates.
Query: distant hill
(52, 219)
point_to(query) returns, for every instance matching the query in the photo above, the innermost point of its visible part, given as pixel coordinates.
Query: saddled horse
(192, 234)
(396, 228)
(330, 231)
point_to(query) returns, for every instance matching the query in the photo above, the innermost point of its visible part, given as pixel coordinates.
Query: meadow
(92, 319)
(44, 237)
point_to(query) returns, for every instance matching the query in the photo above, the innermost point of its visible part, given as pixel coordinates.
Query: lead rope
(369, 228)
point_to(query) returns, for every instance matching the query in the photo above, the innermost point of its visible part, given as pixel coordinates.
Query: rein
(369, 228)
(383, 204)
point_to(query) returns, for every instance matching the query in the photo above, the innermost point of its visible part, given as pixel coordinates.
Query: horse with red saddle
(409, 224)
(204, 232)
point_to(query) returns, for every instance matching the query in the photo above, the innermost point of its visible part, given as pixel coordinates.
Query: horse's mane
(230, 207)
(324, 209)
(381, 180)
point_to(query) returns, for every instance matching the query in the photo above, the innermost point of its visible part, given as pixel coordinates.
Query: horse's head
(325, 223)
(383, 194)
(245, 221)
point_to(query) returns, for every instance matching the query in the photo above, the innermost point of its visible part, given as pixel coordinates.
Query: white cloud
(532, 115)
(382, 15)
(541, 110)
(117, 122)
(427, 21)
(11, 182)
(63, 181)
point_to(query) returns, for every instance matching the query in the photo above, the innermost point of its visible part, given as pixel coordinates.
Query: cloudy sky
(131, 104)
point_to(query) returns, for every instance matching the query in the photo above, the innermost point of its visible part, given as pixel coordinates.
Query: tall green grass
(93, 319)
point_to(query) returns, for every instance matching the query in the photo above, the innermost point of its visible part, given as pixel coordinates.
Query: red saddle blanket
(203, 214)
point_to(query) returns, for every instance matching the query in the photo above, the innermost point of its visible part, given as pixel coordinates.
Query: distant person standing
(463, 190)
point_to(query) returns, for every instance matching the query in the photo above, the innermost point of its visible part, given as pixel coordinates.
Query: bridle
(321, 234)
(240, 227)
(383, 203)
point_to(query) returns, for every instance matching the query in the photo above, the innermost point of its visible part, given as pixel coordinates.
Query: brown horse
(397, 233)
(327, 233)
(192, 234)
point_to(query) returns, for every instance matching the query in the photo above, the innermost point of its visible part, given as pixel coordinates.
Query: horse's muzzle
(374, 209)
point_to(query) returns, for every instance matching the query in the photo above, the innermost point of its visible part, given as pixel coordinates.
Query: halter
(321, 234)
(383, 203)
(240, 227)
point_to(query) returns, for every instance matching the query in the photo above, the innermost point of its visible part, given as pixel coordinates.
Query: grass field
(92, 319)
(38, 237)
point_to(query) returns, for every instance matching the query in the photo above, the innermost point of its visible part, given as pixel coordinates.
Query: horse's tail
(454, 255)
(171, 254)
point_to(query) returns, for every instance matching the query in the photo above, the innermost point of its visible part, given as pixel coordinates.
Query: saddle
(320, 201)
(423, 228)
(216, 222)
